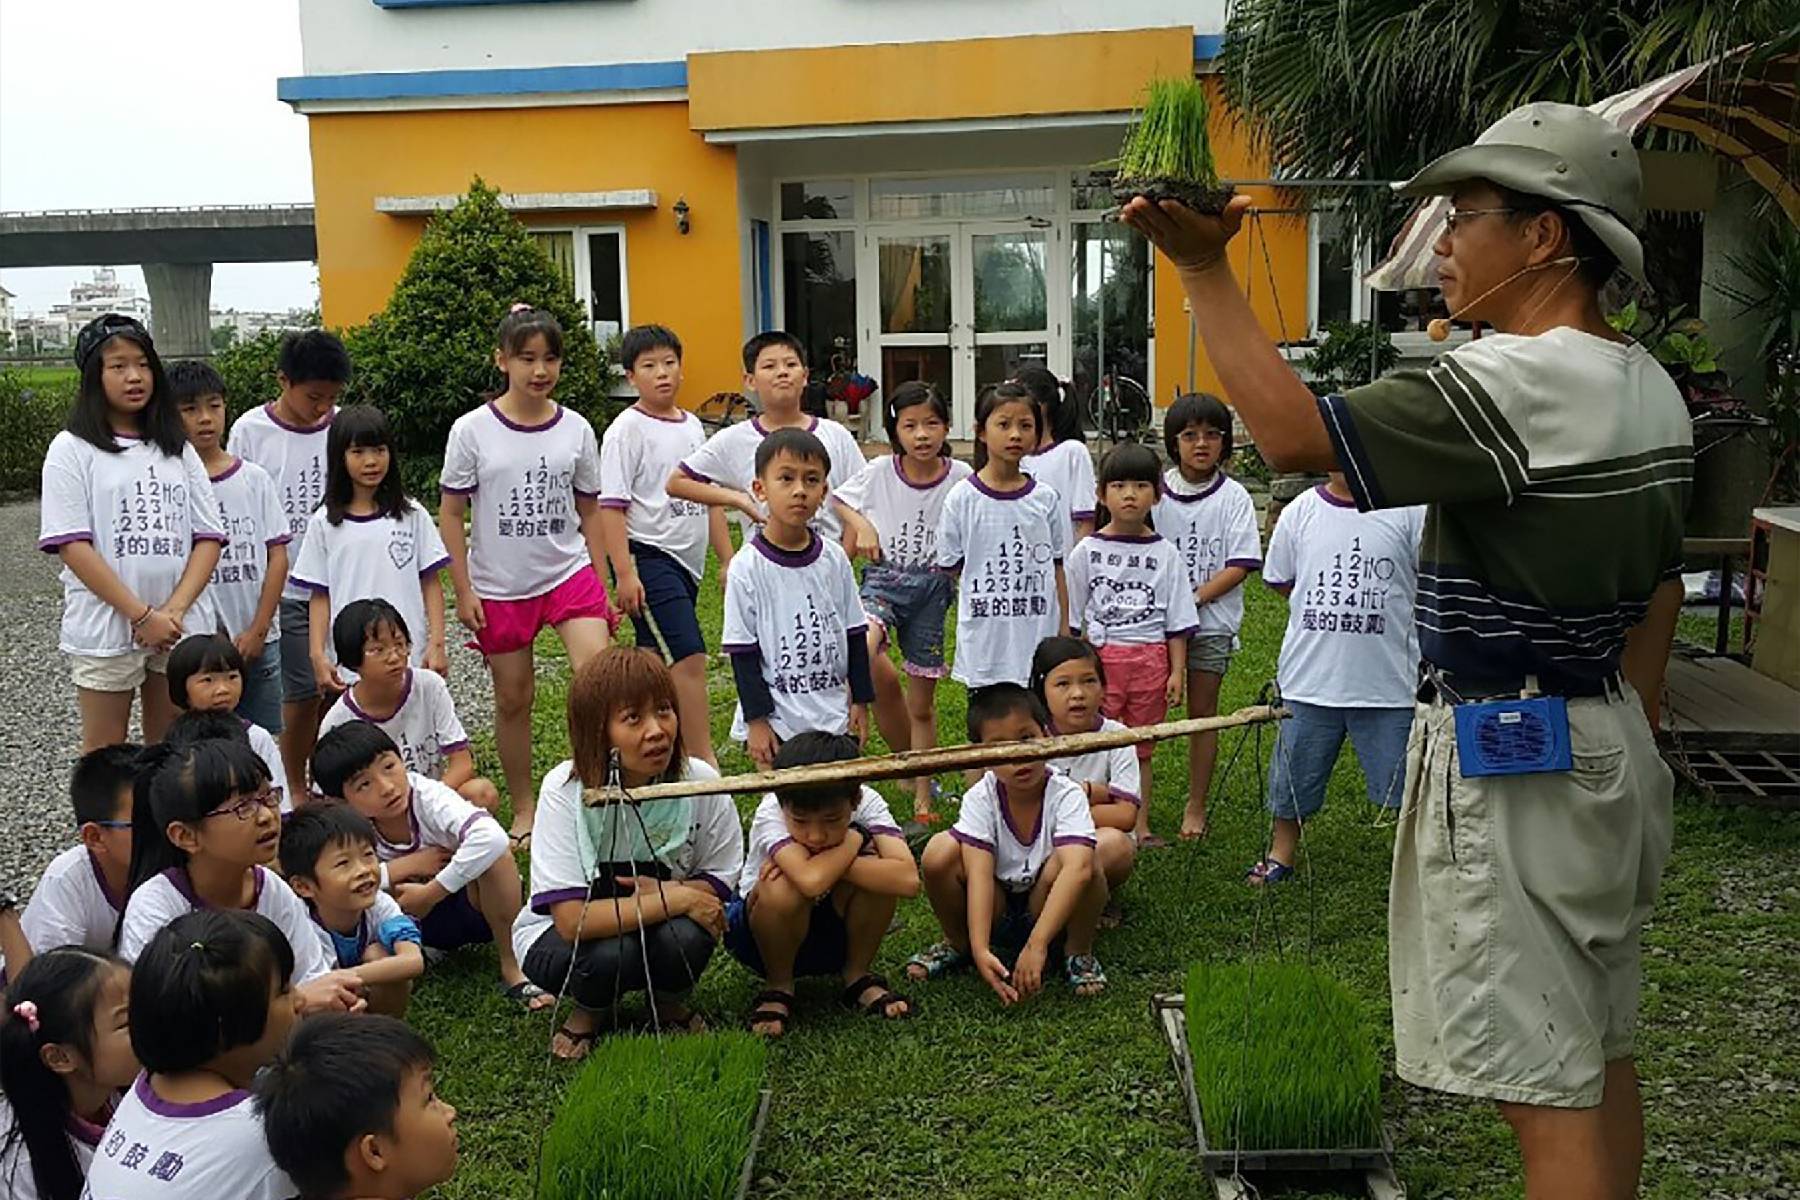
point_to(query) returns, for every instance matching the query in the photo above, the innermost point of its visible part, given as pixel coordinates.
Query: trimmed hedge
(31, 414)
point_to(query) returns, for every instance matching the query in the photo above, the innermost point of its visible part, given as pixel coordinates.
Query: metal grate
(1757, 776)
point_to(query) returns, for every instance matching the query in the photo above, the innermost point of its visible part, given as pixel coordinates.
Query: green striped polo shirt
(1556, 471)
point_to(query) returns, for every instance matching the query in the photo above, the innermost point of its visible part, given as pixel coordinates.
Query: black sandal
(763, 1014)
(580, 1043)
(877, 1006)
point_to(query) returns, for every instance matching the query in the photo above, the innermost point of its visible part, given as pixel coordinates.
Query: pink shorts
(1137, 679)
(513, 624)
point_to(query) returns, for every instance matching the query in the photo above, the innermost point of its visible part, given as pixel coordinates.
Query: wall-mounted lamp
(681, 210)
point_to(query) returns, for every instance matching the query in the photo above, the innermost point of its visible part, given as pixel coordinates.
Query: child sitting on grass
(328, 856)
(825, 870)
(474, 896)
(349, 1110)
(82, 892)
(206, 674)
(997, 889)
(412, 707)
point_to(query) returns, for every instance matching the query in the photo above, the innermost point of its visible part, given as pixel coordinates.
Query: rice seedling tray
(1226, 1166)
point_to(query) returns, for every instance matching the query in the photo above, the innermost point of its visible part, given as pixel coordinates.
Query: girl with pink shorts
(530, 471)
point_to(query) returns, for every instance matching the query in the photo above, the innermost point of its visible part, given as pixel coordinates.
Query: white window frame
(1362, 258)
(584, 274)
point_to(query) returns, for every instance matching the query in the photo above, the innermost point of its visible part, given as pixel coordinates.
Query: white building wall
(353, 36)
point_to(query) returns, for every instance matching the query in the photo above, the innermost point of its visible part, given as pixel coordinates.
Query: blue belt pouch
(1513, 737)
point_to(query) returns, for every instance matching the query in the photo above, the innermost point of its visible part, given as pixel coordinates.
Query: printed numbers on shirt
(1202, 553)
(1353, 581)
(302, 494)
(150, 519)
(914, 542)
(803, 655)
(538, 506)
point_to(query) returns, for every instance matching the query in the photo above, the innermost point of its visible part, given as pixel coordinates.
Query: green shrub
(31, 413)
(249, 370)
(650, 1121)
(428, 357)
(1282, 1059)
(1349, 355)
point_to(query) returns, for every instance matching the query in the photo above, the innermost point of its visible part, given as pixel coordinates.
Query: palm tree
(1371, 90)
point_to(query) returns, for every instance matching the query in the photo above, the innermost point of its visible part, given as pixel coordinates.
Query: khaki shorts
(117, 672)
(1516, 906)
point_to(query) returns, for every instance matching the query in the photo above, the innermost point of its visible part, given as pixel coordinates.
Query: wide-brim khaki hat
(1563, 153)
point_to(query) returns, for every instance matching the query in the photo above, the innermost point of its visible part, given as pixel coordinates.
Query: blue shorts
(1013, 925)
(910, 605)
(297, 682)
(1306, 750)
(261, 702)
(824, 951)
(455, 923)
(670, 594)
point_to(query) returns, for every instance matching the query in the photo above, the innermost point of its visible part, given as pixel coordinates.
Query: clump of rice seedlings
(1282, 1059)
(1167, 153)
(644, 1121)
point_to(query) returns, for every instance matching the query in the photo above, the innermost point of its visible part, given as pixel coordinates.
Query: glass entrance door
(916, 328)
(1006, 294)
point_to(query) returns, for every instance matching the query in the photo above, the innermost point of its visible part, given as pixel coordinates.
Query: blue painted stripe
(499, 81)
(765, 300)
(1207, 45)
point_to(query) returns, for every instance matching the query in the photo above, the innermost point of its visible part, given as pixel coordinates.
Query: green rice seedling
(649, 1121)
(1168, 151)
(1282, 1059)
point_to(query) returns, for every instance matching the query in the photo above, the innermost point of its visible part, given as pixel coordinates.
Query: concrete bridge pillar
(180, 304)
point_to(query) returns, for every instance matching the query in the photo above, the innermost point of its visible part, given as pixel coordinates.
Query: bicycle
(724, 408)
(1119, 409)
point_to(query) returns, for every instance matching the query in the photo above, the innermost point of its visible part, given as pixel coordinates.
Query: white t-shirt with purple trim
(1006, 545)
(294, 458)
(798, 608)
(904, 513)
(1351, 641)
(769, 831)
(438, 816)
(1214, 527)
(142, 511)
(637, 455)
(1069, 468)
(729, 459)
(424, 726)
(156, 1149)
(1019, 854)
(1116, 768)
(374, 557)
(71, 905)
(1129, 591)
(162, 898)
(522, 480)
(16, 1179)
(713, 852)
(250, 514)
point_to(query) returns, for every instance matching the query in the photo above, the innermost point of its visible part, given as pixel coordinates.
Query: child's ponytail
(1057, 411)
(51, 1002)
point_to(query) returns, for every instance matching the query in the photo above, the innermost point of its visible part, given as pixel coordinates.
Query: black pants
(607, 968)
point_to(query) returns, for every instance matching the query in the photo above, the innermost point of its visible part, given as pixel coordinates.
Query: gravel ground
(40, 728)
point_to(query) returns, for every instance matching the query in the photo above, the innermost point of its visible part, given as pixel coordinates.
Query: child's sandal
(877, 1005)
(1269, 870)
(1084, 972)
(764, 1014)
(937, 960)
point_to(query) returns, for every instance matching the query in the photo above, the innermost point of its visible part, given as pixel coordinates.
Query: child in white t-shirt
(246, 585)
(1061, 459)
(1350, 656)
(210, 1006)
(892, 509)
(206, 674)
(1212, 521)
(1004, 534)
(129, 510)
(794, 625)
(473, 896)
(1016, 874)
(826, 868)
(413, 708)
(657, 542)
(328, 856)
(721, 472)
(529, 469)
(78, 900)
(65, 1059)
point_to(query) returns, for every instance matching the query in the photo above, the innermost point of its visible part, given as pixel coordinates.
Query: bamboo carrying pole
(911, 763)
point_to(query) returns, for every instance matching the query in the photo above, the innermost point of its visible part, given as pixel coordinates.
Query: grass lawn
(1067, 1097)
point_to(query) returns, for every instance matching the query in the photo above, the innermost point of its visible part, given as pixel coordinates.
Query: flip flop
(1269, 870)
(523, 993)
(1151, 841)
(1197, 835)
(579, 1043)
(520, 842)
(877, 1006)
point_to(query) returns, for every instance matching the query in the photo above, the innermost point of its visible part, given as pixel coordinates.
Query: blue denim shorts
(911, 605)
(824, 950)
(1306, 750)
(261, 702)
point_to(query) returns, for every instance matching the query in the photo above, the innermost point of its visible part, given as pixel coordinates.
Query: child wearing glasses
(77, 901)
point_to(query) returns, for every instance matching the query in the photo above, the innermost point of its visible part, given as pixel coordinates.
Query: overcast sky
(109, 104)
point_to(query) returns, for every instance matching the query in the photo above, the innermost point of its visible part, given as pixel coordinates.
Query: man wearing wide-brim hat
(1555, 457)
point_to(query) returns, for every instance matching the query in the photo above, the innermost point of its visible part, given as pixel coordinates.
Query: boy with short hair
(349, 1110)
(447, 861)
(328, 855)
(996, 890)
(655, 541)
(794, 622)
(826, 867)
(247, 584)
(721, 472)
(82, 893)
(1349, 661)
(413, 708)
(286, 438)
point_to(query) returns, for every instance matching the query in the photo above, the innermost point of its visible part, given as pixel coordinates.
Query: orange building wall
(690, 283)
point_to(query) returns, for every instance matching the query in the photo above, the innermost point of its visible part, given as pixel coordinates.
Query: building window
(961, 197)
(607, 307)
(828, 200)
(818, 273)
